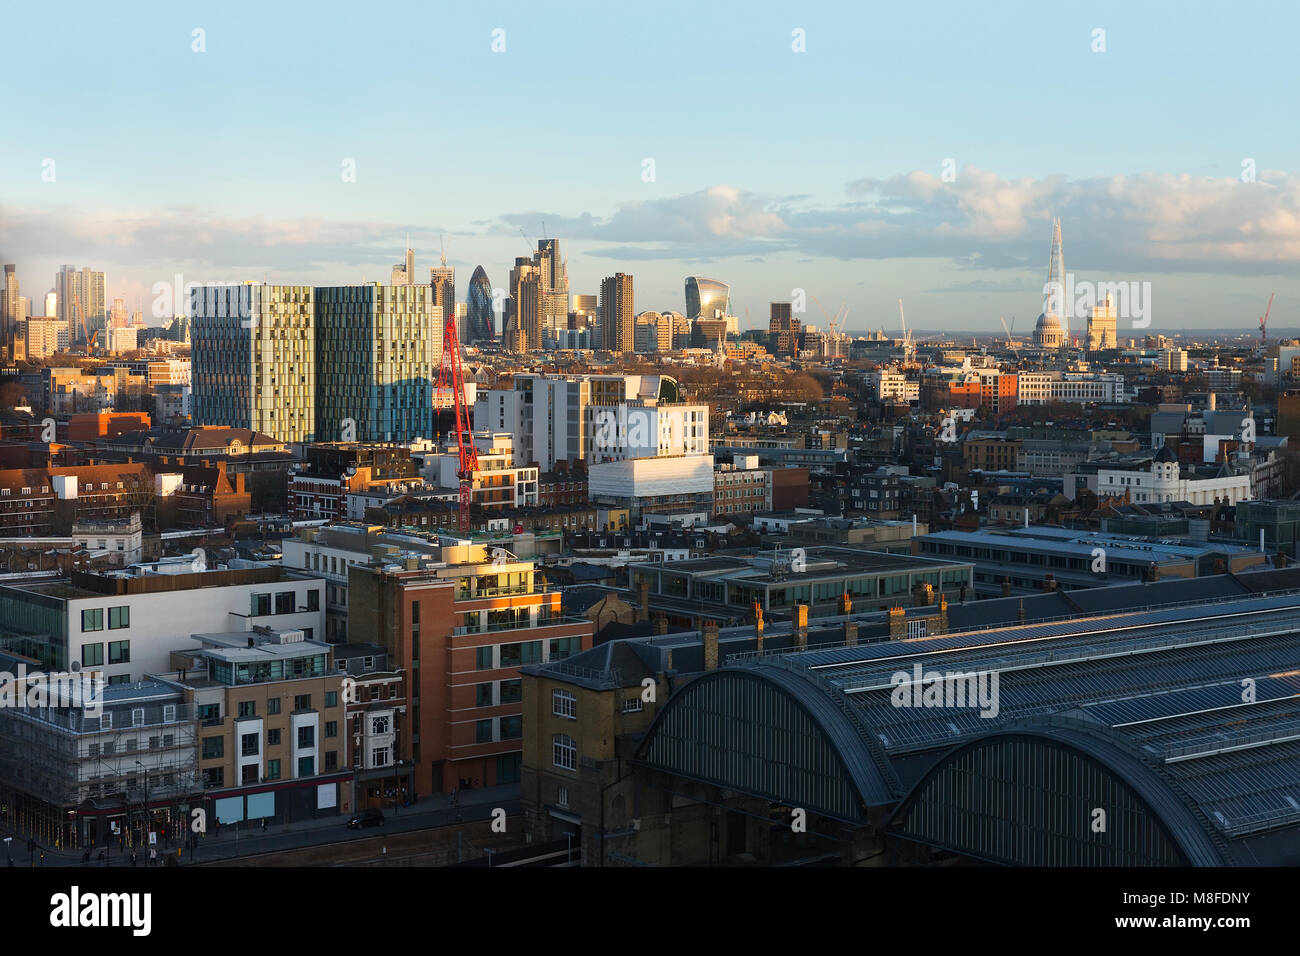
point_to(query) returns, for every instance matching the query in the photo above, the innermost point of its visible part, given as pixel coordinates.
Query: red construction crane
(1263, 320)
(451, 377)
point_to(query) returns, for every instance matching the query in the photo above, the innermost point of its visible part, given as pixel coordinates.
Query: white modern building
(1159, 478)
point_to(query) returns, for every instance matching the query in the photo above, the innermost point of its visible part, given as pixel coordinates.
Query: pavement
(247, 839)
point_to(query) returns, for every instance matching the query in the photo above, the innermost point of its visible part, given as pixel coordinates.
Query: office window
(564, 752)
(306, 736)
(119, 617)
(92, 619)
(119, 652)
(564, 704)
(92, 655)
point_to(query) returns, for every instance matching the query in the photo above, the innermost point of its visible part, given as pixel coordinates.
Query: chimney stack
(643, 599)
(710, 632)
(801, 626)
(942, 618)
(1020, 614)
(922, 594)
(758, 625)
(897, 624)
(1006, 587)
(850, 633)
(1049, 582)
(846, 605)
(660, 624)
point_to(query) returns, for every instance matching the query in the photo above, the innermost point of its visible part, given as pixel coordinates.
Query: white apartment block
(891, 385)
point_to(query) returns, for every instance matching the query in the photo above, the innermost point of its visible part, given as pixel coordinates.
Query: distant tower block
(1052, 330)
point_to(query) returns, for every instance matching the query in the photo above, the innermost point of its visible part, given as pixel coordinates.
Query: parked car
(367, 818)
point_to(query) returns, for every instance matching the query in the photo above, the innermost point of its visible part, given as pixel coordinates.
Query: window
(483, 658)
(512, 655)
(247, 708)
(273, 738)
(302, 702)
(119, 617)
(564, 704)
(119, 652)
(331, 728)
(313, 600)
(92, 619)
(248, 745)
(259, 604)
(137, 716)
(512, 728)
(379, 757)
(169, 713)
(214, 777)
(482, 695)
(380, 725)
(285, 602)
(332, 760)
(273, 705)
(273, 770)
(210, 713)
(512, 691)
(562, 647)
(92, 655)
(633, 704)
(248, 773)
(331, 698)
(483, 731)
(306, 766)
(214, 747)
(562, 797)
(564, 752)
(306, 737)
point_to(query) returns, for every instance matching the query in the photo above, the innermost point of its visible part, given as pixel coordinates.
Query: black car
(367, 818)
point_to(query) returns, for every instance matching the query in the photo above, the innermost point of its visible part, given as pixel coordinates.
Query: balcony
(553, 621)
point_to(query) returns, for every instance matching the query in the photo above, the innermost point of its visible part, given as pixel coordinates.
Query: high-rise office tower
(378, 350)
(554, 272)
(617, 323)
(81, 300)
(404, 272)
(523, 331)
(11, 317)
(479, 325)
(443, 280)
(782, 330)
(51, 304)
(254, 358)
(706, 298)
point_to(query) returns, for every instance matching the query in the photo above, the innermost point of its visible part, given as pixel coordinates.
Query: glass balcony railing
(518, 625)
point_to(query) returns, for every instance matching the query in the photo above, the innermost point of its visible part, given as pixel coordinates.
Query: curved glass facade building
(478, 311)
(705, 297)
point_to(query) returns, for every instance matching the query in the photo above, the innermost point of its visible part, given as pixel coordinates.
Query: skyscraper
(478, 313)
(82, 300)
(378, 349)
(404, 272)
(617, 323)
(254, 358)
(782, 330)
(554, 273)
(706, 298)
(11, 316)
(523, 330)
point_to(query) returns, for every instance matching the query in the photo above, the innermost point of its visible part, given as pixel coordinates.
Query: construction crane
(1263, 319)
(909, 347)
(452, 377)
(1007, 329)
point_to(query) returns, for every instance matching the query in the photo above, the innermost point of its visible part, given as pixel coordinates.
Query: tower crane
(1263, 319)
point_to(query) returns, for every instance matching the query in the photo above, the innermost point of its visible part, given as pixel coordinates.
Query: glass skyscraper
(478, 312)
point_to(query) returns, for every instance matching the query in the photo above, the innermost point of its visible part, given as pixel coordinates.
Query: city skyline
(873, 200)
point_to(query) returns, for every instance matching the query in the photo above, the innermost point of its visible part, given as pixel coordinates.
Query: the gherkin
(478, 312)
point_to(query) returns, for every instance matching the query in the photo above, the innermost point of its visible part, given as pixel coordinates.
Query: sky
(860, 152)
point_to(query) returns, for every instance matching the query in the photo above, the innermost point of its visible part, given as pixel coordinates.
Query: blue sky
(772, 169)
